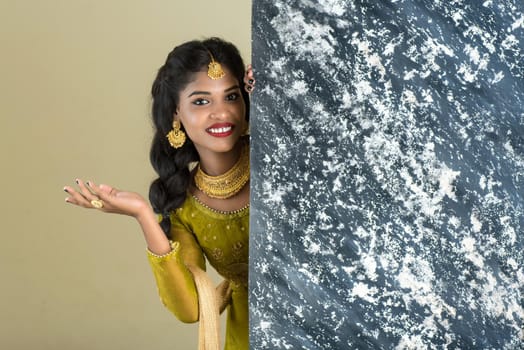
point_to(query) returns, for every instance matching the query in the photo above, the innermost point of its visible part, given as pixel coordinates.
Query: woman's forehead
(202, 82)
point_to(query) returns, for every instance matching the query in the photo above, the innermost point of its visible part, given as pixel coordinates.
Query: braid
(168, 191)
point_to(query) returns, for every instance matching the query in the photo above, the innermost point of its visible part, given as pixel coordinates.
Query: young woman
(200, 201)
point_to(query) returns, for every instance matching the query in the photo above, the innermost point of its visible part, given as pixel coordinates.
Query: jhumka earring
(246, 130)
(176, 136)
(214, 69)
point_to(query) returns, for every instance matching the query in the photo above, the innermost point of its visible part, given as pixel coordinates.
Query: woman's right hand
(249, 79)
(112, 200)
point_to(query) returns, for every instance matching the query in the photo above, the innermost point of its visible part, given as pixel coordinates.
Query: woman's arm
(124, 203)
(174, 279)
(168, 260)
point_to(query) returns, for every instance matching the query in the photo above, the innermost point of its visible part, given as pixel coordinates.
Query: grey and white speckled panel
(388, 175)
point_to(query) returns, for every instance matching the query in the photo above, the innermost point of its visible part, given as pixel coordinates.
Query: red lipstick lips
(220, 129)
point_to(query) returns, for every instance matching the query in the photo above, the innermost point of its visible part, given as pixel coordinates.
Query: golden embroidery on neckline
(224, 212)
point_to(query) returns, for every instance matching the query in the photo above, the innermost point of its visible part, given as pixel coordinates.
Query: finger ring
(97, 203)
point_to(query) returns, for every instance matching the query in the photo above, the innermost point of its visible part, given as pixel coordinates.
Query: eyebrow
(234, 87)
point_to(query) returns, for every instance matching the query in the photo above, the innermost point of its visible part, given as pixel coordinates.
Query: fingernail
(65, 190)
(88, 183)
(77, 182)
(251, 81)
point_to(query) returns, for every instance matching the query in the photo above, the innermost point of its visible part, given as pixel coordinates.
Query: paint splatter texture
(388, 175)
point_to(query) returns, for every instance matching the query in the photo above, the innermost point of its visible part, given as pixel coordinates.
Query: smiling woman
(213, 114)
(200, 152)
(75, 87)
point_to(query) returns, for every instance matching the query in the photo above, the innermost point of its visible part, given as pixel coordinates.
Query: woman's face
(212, 112)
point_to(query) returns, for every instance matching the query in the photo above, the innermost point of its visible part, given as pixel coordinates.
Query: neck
(215, 164)
(229, 179)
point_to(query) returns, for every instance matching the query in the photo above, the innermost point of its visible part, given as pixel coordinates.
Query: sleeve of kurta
(176, 286)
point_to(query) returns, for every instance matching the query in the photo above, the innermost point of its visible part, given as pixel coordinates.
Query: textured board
(387, 205)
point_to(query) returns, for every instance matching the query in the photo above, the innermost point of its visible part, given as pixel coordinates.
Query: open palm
(114, 201)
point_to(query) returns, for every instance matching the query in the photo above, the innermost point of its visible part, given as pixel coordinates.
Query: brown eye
(200, 102)
(232, 97)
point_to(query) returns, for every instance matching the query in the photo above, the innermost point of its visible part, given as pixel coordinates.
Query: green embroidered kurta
(223, 238)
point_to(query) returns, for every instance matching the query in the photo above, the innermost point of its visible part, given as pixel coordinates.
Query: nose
(219, 111)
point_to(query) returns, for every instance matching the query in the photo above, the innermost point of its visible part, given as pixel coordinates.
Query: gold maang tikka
(214, 69)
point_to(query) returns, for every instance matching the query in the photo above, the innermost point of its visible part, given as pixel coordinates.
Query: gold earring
(176, 136)
(246, 130)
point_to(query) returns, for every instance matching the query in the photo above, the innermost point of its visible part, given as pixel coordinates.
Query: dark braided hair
(168, 191)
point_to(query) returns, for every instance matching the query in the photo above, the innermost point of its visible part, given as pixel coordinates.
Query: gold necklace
(228, 184)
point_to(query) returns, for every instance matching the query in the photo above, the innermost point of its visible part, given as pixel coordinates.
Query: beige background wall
(75, 77)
